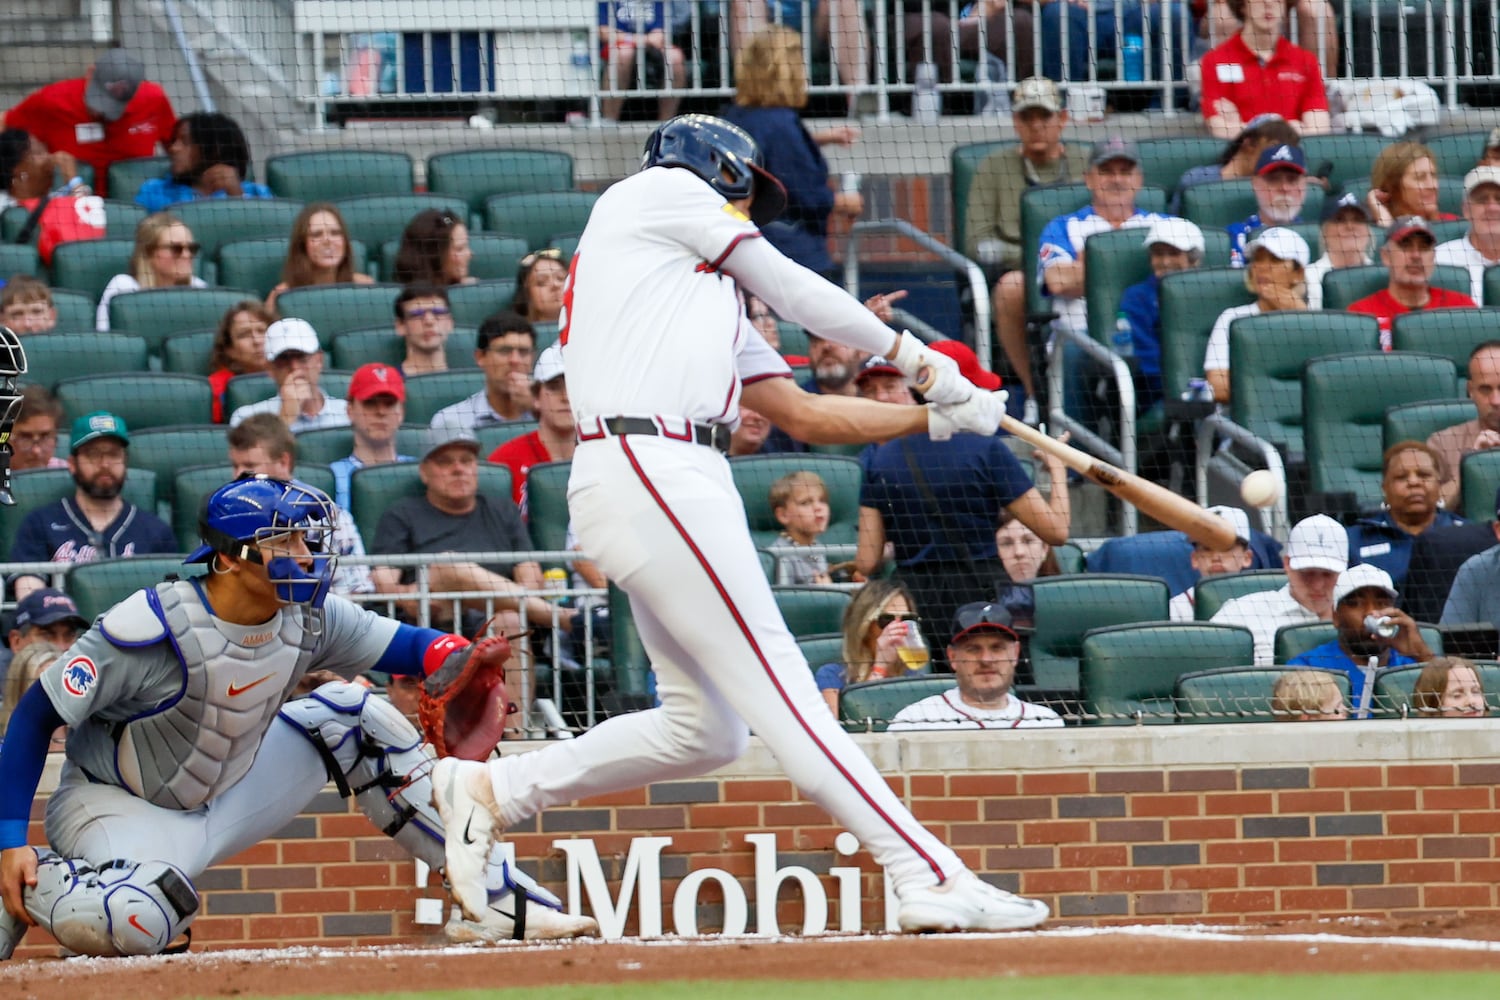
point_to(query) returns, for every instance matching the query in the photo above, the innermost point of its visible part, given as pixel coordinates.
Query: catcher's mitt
(464, 704)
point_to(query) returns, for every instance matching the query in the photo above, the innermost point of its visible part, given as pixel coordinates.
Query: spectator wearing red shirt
(1410, 254)
(553, 439)
(111, 113)
(1259, 72)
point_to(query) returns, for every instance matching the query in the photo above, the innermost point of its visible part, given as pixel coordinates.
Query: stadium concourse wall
(1222, 824)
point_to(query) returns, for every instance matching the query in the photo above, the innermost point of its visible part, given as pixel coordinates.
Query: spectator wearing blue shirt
(1174, 245)
(1411, 493)
(1361, 592)
(1280, 186)
(209, 159)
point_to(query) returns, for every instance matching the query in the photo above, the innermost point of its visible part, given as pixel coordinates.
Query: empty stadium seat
(870, 707)
(474, 303)
(811, 610)
(52, 357)
(141, 399)
(427, 394)
(1419, 421)
(1350, 155)
(336, 309)
(75, 312)
(827, 647)
(476, 174)
(1235, 694)
(158, 313)
(328, 175)
(754, 474)
(1164, 161)
(493, 436)
(38, 487)
(537, 217)
(1130, 672)
(217, 221)
(1191, 302)
(126, 177)
(1213, 593)
(1453, 333)
(87, 265)
(1456, 153)
(1480, 477)
(23, 259)
(1068, 606)
(164, 450)
(188, 353)
(547, 515)
(99, 586)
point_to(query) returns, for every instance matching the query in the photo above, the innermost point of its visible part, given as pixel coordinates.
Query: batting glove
(935, 375)
(979, 414)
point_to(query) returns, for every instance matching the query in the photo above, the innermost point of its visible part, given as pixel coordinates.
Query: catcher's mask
(254, 518)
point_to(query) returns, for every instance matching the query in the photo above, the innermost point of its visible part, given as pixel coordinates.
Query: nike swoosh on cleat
(467, 838)
(234, 691)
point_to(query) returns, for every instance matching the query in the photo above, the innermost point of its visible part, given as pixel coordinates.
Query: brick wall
(1222, 824)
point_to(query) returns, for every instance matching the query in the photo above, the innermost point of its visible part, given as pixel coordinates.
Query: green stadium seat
(1480, 477)
(22, 259)
(1212, 594)
(476, 174)
(1344, 418)
(627, 655)
(494, 435)
(257, 263)
(870, 707)
(336, 309)
(1235, 694)
(99, 586)
(52, 357)
(1294, 640)
(217, 221)
(820, 649)
(473, 304)
(964, 163)
(328, 175)
(547, 515)
(1218, 204)
(1453, 333)
(376, 218)
(1419, 421)
(75, 312)
(374, 489)
(427, 394)
(1450, 192)
(538, 217)
(811, 610)
(754, 474)
(253, 387)
(358, 347)
(127, 176)
(157, 313)
(495, 256)
(1344, 287)
(121, 219)
(1266, 357)
(1070, 558)
(1118, 260)
(1130, 672)
(1456, 153)
(1164, 161)
(1191, 302)
(164, 450)
(188, 353)
(327, 445)
(1491, 286)
(1040, 205)
(192, 484)
(1068, 606)
(38, 487)
(1395, 685)
(141, 399)
(1350, 153)
(87, 265)
(1444, 230)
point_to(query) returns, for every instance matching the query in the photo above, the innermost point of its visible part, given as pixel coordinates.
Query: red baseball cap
(968, 363)
(376, 379)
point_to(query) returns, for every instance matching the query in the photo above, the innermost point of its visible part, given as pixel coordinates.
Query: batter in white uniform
(659, 352)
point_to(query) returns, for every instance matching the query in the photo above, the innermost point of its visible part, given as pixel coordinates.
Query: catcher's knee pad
(119, 908)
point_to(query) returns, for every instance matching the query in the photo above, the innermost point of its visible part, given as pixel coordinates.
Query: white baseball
(1260, 488)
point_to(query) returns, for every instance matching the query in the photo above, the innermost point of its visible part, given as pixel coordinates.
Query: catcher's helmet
(721, 153)
(239, 518)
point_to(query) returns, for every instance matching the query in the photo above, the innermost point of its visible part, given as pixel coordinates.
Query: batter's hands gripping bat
(12, 367)
(1206, 529)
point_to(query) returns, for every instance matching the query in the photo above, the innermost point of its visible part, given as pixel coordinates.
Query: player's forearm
(22, 757)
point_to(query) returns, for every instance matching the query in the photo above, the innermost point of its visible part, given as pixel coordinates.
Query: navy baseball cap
(1283, 157)
(983, 616)
(46, 607)
(1349, 202)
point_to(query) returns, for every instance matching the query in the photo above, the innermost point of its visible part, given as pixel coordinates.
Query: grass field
(1405, 986)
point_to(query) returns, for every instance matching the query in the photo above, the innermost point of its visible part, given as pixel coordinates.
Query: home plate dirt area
(1323, 947)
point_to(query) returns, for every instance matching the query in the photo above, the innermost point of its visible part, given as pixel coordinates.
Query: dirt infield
(1323, 948)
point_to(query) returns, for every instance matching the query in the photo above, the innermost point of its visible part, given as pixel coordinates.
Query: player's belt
(714, 436)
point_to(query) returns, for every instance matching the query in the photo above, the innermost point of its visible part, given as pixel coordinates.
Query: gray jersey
(179, 729)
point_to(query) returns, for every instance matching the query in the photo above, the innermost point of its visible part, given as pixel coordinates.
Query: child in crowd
(1307, 696)
(26, 306)
(800, 502)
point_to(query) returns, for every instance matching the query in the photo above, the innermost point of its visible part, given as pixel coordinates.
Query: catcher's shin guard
(119, 908)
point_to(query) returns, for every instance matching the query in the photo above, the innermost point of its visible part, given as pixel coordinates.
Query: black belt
(715, 436)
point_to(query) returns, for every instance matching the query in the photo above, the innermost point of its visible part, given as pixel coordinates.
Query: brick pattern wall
(1104, 845)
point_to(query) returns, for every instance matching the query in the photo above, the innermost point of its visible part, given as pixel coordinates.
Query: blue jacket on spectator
(1376, 539)
(163, 192)
(1140, 306)
(1331, 656)
(801, 232)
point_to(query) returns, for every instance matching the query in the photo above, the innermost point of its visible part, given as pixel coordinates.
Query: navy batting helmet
(721, 153)
(240, 518)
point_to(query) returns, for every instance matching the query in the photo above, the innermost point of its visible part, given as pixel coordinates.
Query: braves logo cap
(1283, 157)
(1409, 225)
(1346, 203)
(983, 616)
(46, 607)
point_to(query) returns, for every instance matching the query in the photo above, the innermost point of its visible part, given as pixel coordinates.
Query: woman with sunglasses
(163, 258)
(539, 285)
(434, 251)
(319, 253)
(875, 624)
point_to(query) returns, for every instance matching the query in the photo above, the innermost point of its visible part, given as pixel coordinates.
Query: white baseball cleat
(468, 831)
(964, 902)
(11, 932)
(533, 922)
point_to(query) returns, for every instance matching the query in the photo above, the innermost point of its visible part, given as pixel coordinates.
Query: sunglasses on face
(181, 249)
(885, 619)
(551, 253)
(424, 312)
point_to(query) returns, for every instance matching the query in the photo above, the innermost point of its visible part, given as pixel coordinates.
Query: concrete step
(48, 31)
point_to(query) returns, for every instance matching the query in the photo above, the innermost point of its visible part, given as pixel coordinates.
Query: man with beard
(1280, 186)
(209, 159)
(1361, 592)
(833, 367)
(95, 523)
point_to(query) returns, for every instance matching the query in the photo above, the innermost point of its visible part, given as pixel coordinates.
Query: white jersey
(1463, 253)
(651, 326)
(949, 711)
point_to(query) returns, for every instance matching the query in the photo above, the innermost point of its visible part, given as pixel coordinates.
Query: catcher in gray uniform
(183, 749)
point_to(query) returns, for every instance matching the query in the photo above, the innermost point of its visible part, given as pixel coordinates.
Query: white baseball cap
(290, 334)
(1481, 175)
(1318, 542)
(549, 365)
(1175, 232)
(1238, 520)
(1362, 576)
(1281, 243)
